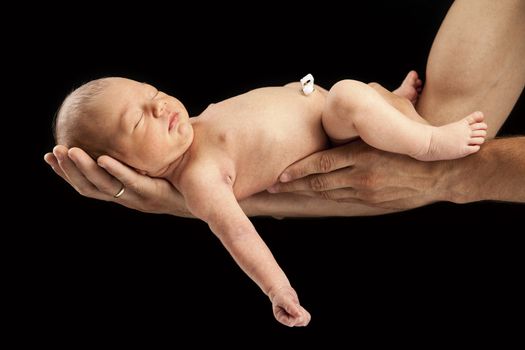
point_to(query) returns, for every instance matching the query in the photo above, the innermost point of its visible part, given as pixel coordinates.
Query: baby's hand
(286, 307)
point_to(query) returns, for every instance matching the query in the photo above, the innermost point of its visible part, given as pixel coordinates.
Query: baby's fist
(286, 307)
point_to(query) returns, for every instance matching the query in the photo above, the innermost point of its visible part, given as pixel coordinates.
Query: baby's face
(146, 128)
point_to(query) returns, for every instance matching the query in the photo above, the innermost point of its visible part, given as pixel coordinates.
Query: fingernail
(272, 189)
(101, 165)
(285, 177)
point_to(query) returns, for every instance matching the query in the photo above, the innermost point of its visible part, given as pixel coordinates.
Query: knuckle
(132, 186)
(317, 183)
(368, 181)
(325, 195)
(326, 162)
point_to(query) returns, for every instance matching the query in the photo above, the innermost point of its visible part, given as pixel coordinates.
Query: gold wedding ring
(120, 192)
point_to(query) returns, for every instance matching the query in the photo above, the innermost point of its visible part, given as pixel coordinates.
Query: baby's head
(130, 121)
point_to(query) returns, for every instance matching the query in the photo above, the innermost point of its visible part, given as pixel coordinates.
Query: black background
(94, 270)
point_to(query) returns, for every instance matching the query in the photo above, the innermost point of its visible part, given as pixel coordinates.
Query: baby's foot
(456, 140)
(410, 87)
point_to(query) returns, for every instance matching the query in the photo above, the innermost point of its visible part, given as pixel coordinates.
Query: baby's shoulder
(206, 172)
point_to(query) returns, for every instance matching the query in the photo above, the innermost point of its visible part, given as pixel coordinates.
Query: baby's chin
(159, 172)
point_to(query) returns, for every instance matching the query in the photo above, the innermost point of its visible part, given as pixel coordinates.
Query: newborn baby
(240, 146)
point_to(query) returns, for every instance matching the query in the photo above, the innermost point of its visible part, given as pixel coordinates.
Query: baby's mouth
(174, 117)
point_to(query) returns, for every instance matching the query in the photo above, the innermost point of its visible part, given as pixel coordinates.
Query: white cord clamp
(308, 84)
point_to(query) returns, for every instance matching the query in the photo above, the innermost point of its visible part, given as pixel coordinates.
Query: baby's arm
(211, 199)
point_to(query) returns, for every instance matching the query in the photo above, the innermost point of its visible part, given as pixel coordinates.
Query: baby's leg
(356, 109)
(402, 104)
(410, 87)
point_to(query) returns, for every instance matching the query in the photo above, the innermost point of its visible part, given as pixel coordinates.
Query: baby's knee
(347, 94)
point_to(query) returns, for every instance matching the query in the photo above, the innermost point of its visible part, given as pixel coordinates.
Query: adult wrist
(461, 179)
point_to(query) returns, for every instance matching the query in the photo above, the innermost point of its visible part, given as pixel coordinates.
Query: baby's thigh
(400, 103)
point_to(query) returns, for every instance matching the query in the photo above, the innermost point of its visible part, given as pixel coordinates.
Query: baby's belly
(265, 131)
(246, 185)
(262, 169)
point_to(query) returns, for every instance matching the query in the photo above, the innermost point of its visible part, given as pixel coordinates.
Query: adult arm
(476, 63)
(103, 179)
(358, 173)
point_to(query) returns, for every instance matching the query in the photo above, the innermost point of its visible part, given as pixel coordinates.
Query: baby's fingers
(292, 315)
(282, 316)
(304, 319)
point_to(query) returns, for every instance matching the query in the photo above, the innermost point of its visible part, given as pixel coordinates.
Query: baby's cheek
(185, 129)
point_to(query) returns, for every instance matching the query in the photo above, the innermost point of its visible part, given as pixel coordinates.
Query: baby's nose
(160, 108)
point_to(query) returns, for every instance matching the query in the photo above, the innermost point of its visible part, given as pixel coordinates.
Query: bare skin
(209, 158)
(476, 62)
(367, 188)
(366, 180)
(410, 88)
(355, 109)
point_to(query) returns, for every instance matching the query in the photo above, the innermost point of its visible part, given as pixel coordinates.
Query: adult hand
(104, 178)
(358, 173)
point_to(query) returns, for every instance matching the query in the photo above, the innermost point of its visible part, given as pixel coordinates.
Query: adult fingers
(319, 182)
(127, 176)
(99, 178)
(73, 174)
(320, 162)
(53, 163)
(76, 178)
(60, 153)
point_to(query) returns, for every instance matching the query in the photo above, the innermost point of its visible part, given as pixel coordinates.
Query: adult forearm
(292, 205)
(496, 172)
(295, 205)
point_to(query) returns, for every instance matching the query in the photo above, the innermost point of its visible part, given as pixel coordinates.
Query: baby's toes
(478, 133)
(476, 117)
(476, 140)
(478, 126)
(472, 149)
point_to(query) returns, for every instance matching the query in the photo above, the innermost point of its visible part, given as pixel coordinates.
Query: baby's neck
(174, 170)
